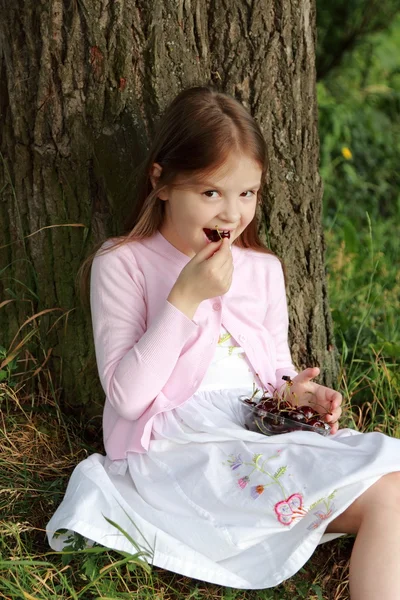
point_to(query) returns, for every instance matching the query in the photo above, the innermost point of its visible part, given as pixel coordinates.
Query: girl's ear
(154, 177)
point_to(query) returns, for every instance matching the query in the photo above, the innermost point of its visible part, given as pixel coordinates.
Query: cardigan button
(242, 337)
(216, 306)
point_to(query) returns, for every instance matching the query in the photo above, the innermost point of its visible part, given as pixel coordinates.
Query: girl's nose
(231, 211)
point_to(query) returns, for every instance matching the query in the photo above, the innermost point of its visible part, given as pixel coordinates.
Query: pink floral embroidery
(243, 481)
(290, 509)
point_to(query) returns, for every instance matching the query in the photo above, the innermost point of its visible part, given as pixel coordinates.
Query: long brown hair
(197, 132)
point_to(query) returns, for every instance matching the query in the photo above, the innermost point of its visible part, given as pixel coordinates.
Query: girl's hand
(319, 397)
(207, 274)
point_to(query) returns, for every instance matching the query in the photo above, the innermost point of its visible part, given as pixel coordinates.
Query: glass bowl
(257, 419)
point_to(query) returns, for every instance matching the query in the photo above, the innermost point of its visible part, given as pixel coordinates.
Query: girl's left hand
(322, 398)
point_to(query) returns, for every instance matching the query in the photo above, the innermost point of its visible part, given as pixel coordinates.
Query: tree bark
(82, 83)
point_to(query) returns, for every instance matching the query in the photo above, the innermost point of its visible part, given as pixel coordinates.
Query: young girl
(183, 327)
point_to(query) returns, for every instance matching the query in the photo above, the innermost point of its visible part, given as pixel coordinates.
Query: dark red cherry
(279, 428)
(285, 406)
(268, 405)
(315, 422)
(214, 235)
(307, 411)
(265, 397)
(296, 416)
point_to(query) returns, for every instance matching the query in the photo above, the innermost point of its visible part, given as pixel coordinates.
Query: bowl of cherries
(278, 413)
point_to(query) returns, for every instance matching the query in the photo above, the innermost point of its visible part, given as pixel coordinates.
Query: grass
(39, 448)
(364, 286)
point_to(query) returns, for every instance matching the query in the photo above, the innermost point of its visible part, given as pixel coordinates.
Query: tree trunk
(81, 85)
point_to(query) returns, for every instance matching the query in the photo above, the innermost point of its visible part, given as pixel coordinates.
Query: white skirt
(216, 502)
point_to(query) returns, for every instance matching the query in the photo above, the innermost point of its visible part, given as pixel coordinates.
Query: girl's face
(226, 200)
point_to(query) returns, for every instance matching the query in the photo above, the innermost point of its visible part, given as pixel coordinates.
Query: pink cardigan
(151, 357)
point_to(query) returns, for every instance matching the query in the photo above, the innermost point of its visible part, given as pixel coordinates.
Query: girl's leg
(375, 561)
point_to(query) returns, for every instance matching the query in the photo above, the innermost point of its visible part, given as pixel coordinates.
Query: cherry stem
(217, 228)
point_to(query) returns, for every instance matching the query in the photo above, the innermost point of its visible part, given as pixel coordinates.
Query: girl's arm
(134, 362)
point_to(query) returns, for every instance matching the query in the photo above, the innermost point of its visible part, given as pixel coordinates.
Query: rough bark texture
(82, 83)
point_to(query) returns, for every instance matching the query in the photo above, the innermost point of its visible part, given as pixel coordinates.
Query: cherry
(284, 405)
(307, 411)
(214, 235)
(279, 408)
(279, 428)
(268, 405)
(296, 415)
(315, 422)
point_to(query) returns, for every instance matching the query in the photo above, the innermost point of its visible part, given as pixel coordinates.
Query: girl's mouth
(214, 235)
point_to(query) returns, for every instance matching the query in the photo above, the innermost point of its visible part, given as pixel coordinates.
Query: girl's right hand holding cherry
(207, 274)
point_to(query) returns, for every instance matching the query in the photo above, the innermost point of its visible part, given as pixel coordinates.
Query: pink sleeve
(277, 323)
(134, 363)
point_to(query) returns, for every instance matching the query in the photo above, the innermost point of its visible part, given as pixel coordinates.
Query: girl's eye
(215, 191)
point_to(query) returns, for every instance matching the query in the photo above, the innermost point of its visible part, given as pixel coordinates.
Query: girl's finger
(334, 428)
(334, 416)
(336, 399)
(306, 375)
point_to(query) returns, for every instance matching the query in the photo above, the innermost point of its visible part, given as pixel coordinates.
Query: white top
(229, 367)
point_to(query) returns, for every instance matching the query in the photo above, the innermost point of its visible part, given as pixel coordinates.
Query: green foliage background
(359, 124)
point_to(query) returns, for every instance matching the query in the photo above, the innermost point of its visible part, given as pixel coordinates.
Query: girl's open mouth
(214, 235)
